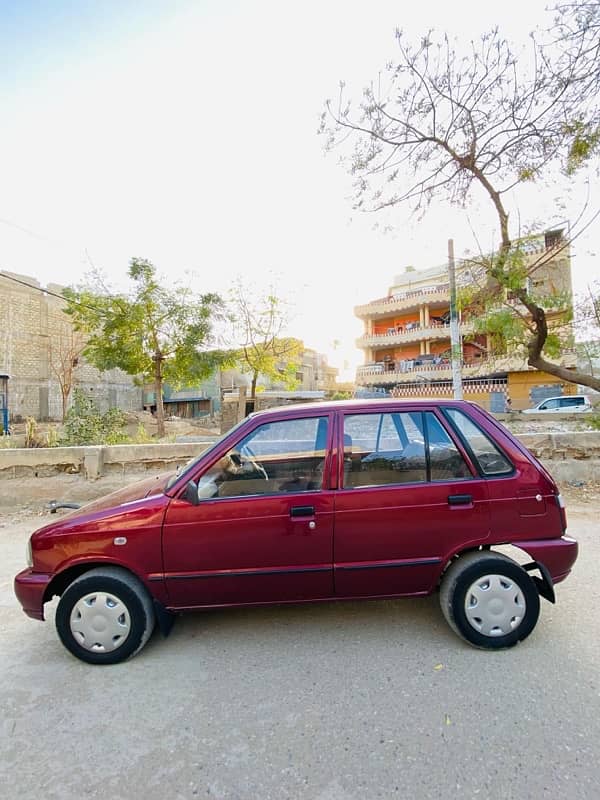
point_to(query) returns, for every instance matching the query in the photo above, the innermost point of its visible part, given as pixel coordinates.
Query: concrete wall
(568, 456)
(96, 461)
(35, 337)
(521, 384)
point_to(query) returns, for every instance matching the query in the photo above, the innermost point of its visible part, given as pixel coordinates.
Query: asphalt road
(347, 701)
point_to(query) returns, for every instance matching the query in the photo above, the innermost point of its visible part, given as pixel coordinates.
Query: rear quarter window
(488, 456)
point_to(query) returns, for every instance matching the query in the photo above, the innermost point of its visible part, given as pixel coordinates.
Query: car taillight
(563, 511)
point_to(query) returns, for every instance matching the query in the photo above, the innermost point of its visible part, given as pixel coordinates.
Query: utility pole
(456, 348)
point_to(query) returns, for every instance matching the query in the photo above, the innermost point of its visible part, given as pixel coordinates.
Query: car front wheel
(489, 600)
(105, 616)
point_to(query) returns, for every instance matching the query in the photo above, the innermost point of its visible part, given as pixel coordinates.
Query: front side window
(490, 458)
(550, 404)
(276, 457)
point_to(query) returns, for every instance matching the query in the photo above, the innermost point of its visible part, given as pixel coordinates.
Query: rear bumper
(30, 588)
(557, 555)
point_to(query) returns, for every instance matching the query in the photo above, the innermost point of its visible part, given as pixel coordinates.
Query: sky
(185, 132)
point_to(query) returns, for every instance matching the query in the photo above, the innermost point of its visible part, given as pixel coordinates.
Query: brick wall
(35, 335)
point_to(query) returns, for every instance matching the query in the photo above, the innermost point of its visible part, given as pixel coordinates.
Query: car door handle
(302, 511)
(460, 499)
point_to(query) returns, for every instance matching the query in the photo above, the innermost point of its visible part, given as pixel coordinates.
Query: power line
(52, 294)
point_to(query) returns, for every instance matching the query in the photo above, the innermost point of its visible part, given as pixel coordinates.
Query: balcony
(406, 301)
(379, 375)
(434, 330)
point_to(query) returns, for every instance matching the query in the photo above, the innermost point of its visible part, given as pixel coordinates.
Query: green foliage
(85, 424)
(585, 144)
(155, 334)
(341, 395)
(593, 420)
(502, 325)
(142, 436)
(553, 345)
(151, 329)
(5, 441)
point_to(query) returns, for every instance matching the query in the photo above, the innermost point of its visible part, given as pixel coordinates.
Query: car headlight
(29, 554)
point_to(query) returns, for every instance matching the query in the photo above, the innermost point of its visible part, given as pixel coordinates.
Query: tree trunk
(65, 400)
(570, 375)
(538, 314)
(158, 384)
(253, 386)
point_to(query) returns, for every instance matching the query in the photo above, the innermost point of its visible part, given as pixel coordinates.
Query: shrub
(594, 419)
(32, 435)
(85, 424)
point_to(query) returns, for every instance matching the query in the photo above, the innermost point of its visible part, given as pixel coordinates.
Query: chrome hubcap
(495, 605)
(100, 622)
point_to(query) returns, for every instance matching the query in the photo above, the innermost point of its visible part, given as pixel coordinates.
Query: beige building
(313, 374)
(406, 339)
(38, 347)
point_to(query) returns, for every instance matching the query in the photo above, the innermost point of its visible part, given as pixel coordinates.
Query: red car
(347, 500)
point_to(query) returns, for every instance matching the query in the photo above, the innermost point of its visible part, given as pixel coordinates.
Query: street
(347, 701)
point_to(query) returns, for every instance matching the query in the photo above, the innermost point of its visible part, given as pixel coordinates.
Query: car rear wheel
(489, 600)
(105, 616)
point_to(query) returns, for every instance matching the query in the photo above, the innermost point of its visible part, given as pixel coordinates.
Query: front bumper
(30, 588)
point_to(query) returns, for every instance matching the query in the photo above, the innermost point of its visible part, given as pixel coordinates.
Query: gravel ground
(346, 701)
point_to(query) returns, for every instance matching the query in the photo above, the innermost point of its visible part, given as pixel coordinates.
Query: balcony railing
(406, 300)
(380, 374)
(416, 333)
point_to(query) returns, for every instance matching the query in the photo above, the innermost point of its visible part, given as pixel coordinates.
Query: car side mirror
(190, 493)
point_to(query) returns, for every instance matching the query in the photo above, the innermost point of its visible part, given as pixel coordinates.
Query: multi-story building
(406, 339)
(38, 347)
(314, 373)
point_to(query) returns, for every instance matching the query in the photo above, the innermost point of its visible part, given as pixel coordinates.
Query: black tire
(126, 606)
(516, 613)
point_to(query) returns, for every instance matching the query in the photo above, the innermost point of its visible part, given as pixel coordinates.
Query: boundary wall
(573, 456)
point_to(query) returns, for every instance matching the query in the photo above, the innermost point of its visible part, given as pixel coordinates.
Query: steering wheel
(248, 457)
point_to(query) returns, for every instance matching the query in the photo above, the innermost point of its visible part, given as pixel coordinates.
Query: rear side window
(445, 461)
(569, 402)
(490, 459)
(399, 447)
(382, 449)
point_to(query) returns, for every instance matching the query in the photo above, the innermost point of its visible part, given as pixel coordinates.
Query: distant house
(406, 339)
(36, 338)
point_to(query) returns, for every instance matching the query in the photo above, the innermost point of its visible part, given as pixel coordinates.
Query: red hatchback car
(347, 500)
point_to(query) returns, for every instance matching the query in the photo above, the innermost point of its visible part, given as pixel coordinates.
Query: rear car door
(262, 528)
(409, 496)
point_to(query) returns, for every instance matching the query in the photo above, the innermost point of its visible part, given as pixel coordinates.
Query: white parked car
(564, 404)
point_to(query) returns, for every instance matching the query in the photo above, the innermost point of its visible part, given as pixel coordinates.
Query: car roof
(326, 406)
(562, 397)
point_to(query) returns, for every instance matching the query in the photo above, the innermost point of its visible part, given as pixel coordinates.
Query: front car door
(262, 528)
(409, 496)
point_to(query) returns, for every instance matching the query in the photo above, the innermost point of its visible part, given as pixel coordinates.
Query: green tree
(85, 424)
(260, 323)
(156, 334)
(443, 124)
